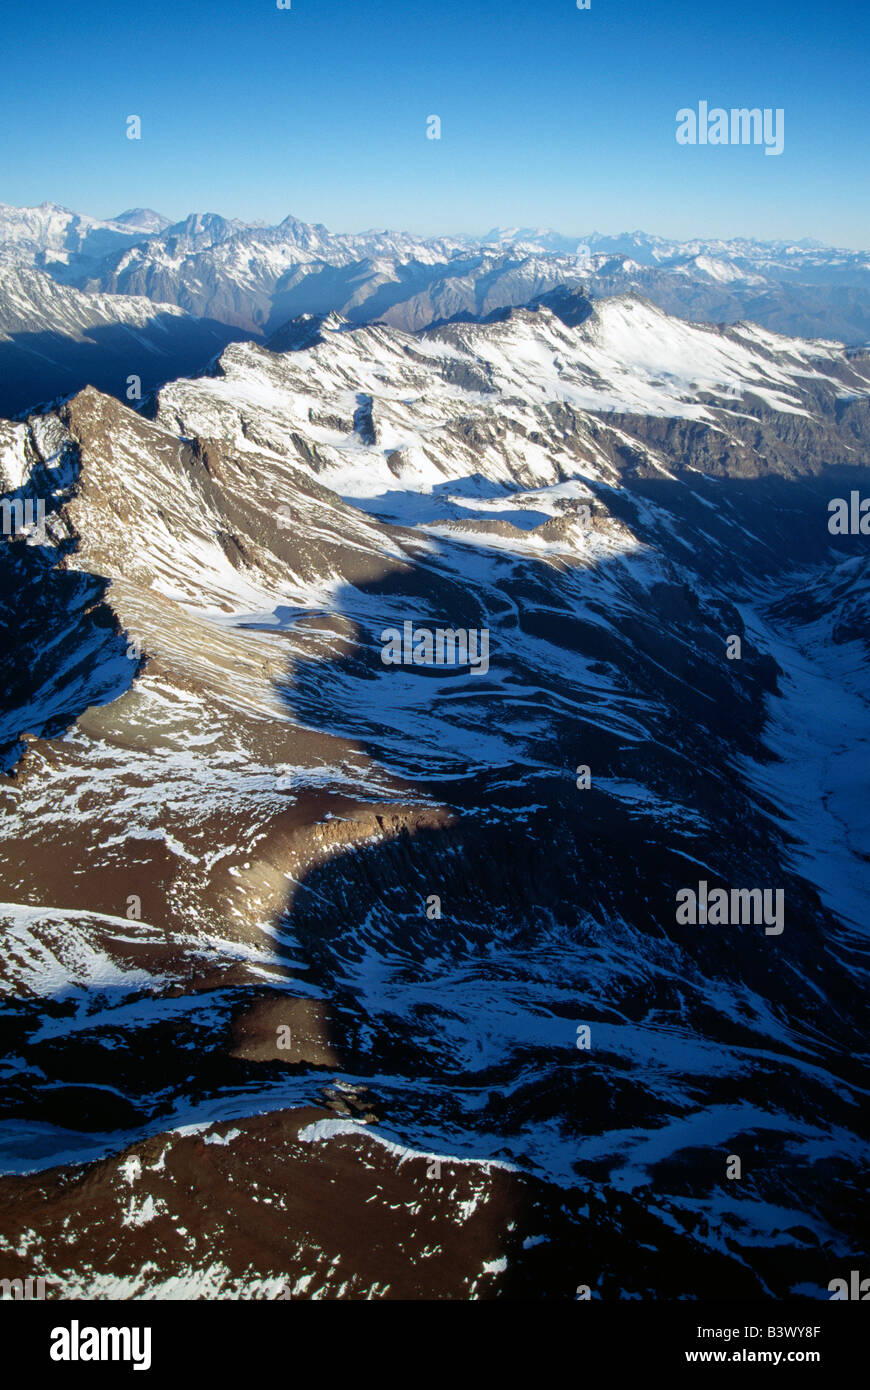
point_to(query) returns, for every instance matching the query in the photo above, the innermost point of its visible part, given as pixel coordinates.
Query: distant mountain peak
(144, 219)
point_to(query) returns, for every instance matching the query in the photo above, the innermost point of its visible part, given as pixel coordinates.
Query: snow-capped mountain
(781, 259)
(255, 277)
(807, 296)
(68, 244)
(280, 913)
(53, 338)
(539, 238)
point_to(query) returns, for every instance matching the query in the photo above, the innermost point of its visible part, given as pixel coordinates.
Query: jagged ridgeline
(132, 302)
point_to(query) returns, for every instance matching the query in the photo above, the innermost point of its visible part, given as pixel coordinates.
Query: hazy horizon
(536, 226)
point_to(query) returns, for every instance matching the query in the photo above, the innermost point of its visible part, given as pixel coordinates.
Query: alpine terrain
(237, 280)
(381, 711)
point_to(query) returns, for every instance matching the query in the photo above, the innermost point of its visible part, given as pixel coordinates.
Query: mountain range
(348, 979)
(238, 279)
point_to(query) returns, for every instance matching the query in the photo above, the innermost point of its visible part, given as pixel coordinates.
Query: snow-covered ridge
(255, 277)
(29, 297)
(56, 338)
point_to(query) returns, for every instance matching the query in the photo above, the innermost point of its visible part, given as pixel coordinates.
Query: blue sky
(551, 116)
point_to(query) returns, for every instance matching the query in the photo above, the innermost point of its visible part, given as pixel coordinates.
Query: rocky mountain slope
(54, 338)
(288, 927)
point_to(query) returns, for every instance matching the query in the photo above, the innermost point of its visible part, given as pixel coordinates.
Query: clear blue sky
(552, 116)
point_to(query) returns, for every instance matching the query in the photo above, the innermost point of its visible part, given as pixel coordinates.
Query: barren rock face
(285, 1030)
(403, 929)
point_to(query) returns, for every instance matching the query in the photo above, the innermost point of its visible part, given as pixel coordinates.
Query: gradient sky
(552, 116)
